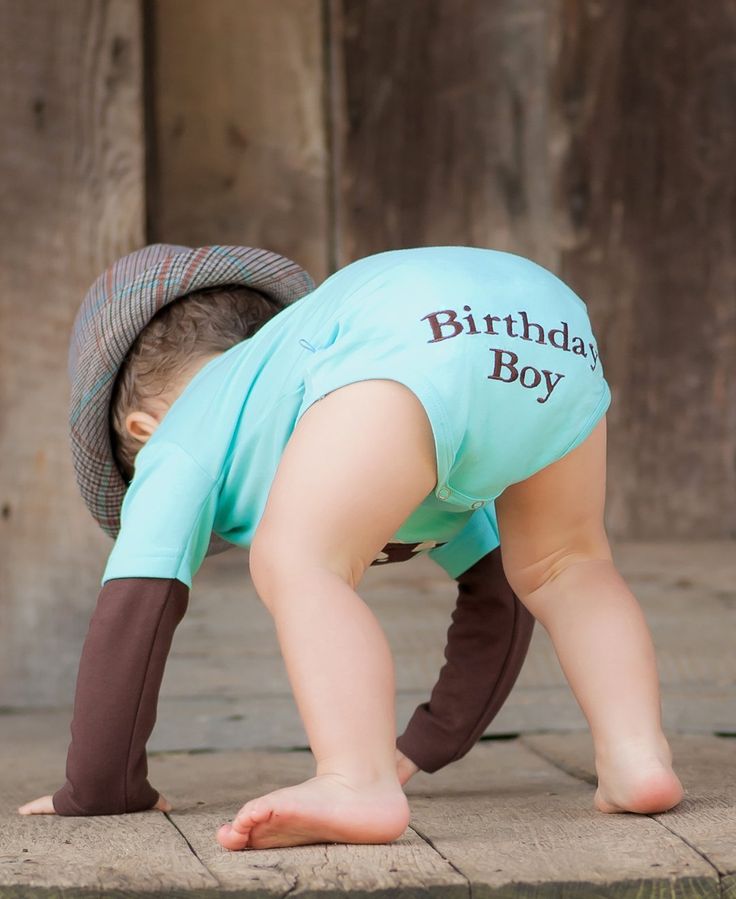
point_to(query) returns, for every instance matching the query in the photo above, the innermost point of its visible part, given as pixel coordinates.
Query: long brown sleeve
(119, 678)
(487, 643)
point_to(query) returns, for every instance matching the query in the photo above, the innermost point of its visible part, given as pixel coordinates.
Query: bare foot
(645, 784)
(324, 809)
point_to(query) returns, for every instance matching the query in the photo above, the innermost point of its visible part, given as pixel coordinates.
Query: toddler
(414, 392)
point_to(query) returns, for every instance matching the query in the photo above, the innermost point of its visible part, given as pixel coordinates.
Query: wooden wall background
(595, 136)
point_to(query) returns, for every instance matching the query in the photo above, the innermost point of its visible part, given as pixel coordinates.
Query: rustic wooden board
(642, 141)
(72, 202)
(686, 590)
(212, 700)
(238, 151)
(596, 139)
(517, 826)
(502, 822)
(139, 854)
(207, 790)
(706, 818)
(440, 125)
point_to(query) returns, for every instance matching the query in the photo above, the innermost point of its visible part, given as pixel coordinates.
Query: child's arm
(486, 646)
(165, 528)
(120, 673)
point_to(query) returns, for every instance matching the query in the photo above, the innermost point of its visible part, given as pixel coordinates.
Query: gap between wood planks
(428, 841)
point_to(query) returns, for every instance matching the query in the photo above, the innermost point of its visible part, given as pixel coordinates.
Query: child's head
(178, 340)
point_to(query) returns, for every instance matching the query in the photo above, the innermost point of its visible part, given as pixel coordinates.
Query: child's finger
(163, 804)
(405, 768)
(41, 806)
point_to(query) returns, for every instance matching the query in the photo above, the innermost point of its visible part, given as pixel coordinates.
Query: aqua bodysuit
(498, 350)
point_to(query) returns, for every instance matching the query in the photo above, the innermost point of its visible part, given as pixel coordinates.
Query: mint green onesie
(499, 351)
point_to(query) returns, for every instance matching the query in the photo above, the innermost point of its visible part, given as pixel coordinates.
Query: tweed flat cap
(116, 308)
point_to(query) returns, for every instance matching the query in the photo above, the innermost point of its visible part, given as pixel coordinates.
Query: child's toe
(259, 812)
(241, 823)
(230, 838)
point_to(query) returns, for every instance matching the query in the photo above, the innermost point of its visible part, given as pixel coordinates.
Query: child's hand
(162, 804)
(405, 768)
(41, 806)
(44, 806)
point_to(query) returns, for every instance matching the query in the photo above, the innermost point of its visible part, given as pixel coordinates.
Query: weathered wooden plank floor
(513, 819)
(225, 685)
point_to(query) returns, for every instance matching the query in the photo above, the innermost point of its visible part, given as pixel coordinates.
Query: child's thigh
(556, 516)
(359, 461)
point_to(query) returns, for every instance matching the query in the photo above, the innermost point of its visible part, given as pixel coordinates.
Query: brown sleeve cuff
(119, 678)
(487, 643)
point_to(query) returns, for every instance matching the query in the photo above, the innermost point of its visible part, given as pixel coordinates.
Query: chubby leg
(344, 486)
(341, 670)
(605, 649)
(558, 560)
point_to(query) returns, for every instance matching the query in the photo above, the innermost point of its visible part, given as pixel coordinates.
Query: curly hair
(200, 323)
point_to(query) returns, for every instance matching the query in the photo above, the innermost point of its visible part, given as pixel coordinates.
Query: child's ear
(140, 425)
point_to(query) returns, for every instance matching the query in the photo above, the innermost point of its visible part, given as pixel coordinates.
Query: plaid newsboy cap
(115, 309)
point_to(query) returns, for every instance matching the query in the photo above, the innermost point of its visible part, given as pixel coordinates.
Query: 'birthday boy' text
(445, 325)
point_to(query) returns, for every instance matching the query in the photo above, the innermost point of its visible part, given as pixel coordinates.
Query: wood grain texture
(72, 202)
(139, 854)
(597, 139)
(207, 790)
(706, 765)
(517, 826)
(239, 153)
(503, 822)
(643, 136)
(440, 125)
(225, 683)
